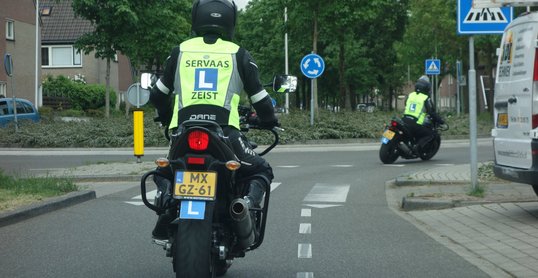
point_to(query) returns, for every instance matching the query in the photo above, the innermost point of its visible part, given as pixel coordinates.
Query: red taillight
(394, 124)
(536, 65)
(198, 140)
(534, 121)
(196, 160)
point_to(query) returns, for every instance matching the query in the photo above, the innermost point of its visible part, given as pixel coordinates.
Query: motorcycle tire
(388, 153)
(192, 252)
(430, 149)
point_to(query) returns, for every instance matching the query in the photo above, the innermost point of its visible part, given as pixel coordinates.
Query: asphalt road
(328, 218)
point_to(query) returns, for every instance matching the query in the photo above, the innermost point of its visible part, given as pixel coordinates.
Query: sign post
(312, 66)
(8, 66)
(138, 96)
(433, 67)
(474, 20)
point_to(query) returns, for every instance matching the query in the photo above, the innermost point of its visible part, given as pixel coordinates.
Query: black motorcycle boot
(256, 190)
(161, 227)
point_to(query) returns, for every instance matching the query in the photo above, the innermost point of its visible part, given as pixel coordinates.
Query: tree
(143, 30)
(161, 26)
(108, 18)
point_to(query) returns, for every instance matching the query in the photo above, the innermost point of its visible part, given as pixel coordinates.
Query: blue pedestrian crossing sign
(490, 20)
(433, 66)
(312, 66)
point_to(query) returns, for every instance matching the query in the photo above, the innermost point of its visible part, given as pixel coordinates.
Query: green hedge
(117, 131)
(81, 96)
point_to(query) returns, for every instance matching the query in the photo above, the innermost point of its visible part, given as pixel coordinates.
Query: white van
(515, 133)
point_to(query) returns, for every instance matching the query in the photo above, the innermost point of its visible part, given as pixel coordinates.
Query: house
(60, 29)
(18, 38)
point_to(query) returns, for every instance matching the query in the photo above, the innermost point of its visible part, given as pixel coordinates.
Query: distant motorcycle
(398, 141)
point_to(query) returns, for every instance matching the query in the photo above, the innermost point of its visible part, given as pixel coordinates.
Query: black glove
(440, 121)
(269, 124)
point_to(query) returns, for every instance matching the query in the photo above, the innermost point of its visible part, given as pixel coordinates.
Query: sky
(241, 4)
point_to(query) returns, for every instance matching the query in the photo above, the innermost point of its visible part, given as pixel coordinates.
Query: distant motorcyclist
(204, 76)
(420, 112)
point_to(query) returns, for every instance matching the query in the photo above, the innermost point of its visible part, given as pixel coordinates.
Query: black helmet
(423, 85)
(214, 17)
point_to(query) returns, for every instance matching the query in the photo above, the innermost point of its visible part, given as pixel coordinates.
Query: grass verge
(16, 192)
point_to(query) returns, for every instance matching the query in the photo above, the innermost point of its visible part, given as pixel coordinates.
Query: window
(3, 108)
(10, 30)
(60, 56)
(24, 108)
(46, 10)
(3, 89)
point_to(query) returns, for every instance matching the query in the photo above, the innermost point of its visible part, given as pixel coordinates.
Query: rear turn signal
(162, 162)
(233, 165)
(198, 140)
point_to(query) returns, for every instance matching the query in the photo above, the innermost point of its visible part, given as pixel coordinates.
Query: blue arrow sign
(482, 20)
(312, 65)
(433, 66)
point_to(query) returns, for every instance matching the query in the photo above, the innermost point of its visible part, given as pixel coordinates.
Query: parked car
(515, 133)
(25, 111)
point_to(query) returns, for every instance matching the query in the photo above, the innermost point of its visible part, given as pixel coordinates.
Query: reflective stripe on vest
(415, 106)
(207, 74)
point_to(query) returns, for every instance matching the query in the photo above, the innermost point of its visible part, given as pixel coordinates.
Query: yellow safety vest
(207, 74)
(415, 106)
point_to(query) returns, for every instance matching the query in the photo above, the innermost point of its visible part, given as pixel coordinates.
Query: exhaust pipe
(242, 222)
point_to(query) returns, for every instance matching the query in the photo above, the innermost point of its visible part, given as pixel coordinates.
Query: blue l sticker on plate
(192, 210)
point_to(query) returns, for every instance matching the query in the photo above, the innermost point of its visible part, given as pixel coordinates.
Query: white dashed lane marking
(305, 228)
(304, 251)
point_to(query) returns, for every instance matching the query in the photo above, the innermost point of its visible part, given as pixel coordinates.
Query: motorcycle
(398, 141)
(211, 222)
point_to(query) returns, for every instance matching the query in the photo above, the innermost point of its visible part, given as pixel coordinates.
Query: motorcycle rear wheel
(388, 153)
(192, 254)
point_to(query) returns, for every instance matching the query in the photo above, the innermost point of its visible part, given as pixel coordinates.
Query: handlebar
(442, 127)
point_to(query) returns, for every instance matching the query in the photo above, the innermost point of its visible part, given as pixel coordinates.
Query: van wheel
(535, 187)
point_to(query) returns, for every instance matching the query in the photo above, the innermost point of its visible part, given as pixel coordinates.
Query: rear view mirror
(284, 83)
(146, 80)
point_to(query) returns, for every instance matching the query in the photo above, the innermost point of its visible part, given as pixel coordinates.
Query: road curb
(406, 181)
(411, 203)
(107, 178)
(52, 204)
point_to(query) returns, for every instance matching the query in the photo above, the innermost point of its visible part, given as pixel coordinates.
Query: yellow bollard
(138, 133)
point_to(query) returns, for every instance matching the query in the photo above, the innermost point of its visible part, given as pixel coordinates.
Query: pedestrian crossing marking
(485, 15)
(327, 193)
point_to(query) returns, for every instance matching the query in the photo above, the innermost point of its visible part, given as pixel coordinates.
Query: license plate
(195, 185)
(502, 120)
(389, 134)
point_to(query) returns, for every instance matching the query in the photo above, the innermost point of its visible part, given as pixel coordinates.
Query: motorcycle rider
(418, 106)
(204, 76)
